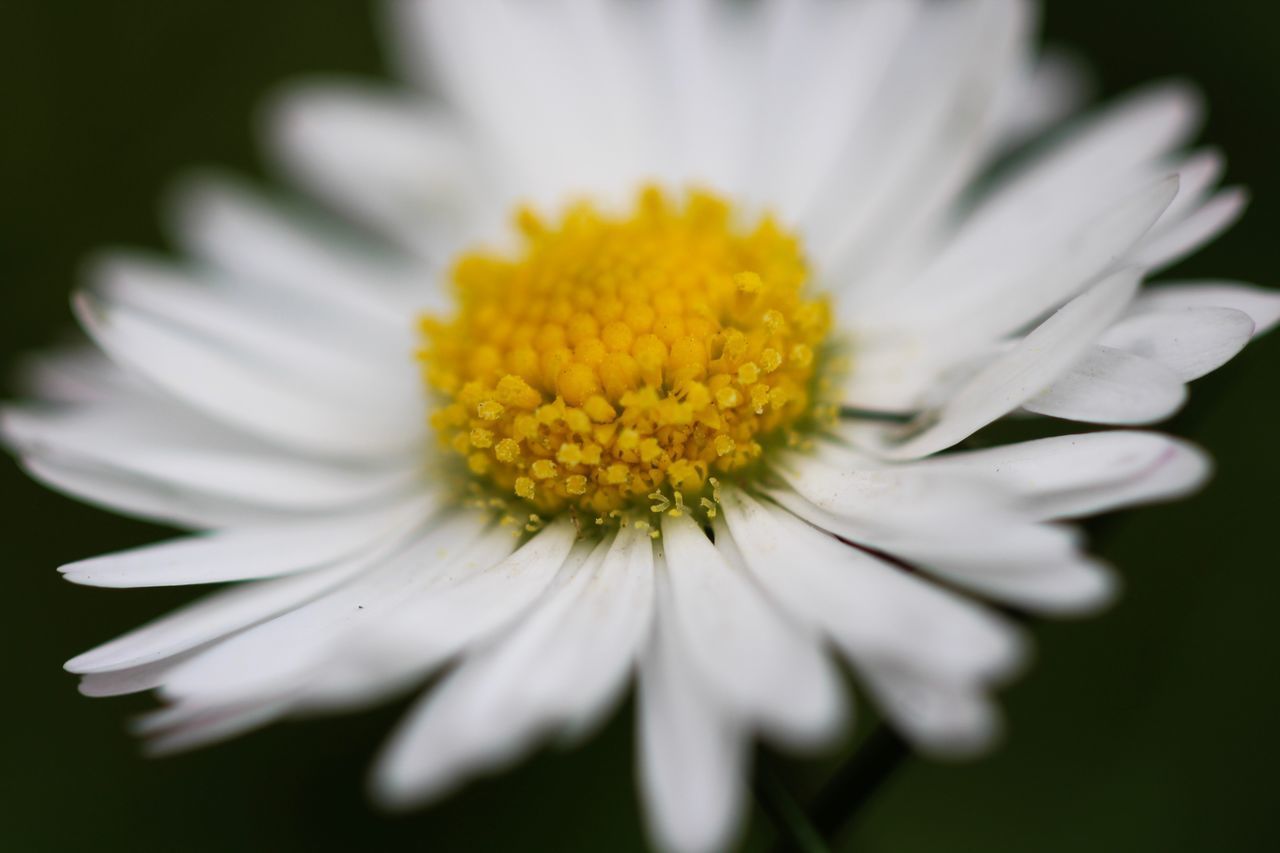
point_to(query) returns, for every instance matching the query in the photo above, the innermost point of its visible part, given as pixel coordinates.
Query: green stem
(795, 833)
(857, 781)
(840, 801)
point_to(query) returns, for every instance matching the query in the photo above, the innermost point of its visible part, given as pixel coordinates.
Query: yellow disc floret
(612, 357)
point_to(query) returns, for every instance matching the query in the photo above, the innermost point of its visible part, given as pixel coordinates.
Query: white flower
(267, 395)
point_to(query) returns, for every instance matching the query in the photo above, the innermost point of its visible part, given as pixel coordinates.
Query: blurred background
(1151, 728)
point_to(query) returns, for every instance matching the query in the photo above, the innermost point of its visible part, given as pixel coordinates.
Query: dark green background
(1151, 728)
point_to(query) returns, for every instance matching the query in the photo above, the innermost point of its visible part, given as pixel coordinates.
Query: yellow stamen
(614, 357)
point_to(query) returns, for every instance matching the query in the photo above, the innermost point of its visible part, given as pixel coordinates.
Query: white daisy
(685, 421)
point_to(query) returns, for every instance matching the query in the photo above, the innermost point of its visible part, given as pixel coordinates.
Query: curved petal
(561, 666)
(693, 753)
(209, 619)
(184, 456)
(1261, 304)
(1111, 386)
(385, 158)
(275, 658)
(1026, 564)
(308, 262)
(426, 627)
(237, 391)
(1071, 476)
(875, 612)
(762, 666)
(1191, 342)
(247, 553)
(1026, 370)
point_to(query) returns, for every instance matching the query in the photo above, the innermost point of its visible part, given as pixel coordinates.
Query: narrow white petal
(1169, 244)
(1259, 303)
(428, 626)
(179, 728)
(238, 392)
(1198, 174)
(422, 758)
(693, 753)
(384, 157)
(308, 263)
(874, 611)
(1030, 565)
(1190, 342)
(824, 65)
(974, 297)
(279, 655)
(931, 127)
(208, 619)
(184, 454)
(337, 361)
(887, 497)
(76, 374)
(247, 553)
(939, 717)
(1078, 475)
(1111, 386)
(560, 668)
(1026, 370)
(768, 669)
(1128, 137)
(119, 492)
(134, 679)
(1052, 90)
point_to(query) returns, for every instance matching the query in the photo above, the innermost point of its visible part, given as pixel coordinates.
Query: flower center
(617, 358)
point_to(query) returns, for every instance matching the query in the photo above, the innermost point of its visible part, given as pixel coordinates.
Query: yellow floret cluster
(615, 358)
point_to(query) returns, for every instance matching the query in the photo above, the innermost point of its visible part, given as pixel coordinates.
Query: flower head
(621, 359)
(695, 422)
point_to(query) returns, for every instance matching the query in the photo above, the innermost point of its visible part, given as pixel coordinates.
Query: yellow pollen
(615, 358)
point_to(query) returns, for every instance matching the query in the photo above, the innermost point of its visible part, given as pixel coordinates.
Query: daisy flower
(637, 343)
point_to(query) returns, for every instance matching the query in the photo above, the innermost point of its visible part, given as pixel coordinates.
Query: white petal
(276, 657)
(707, 110)
(1029, 565)
(76, 374)
(309, 263)
(381, 156)
(693, 754)
(1169, 244)
(208, 619)
(1026, 370)
(246, 553)
(1057, 85)
(111, 489)
(1077, 475)
(971, 299)
(1259, 303)
(428, 626)
(1127, 138)
(329, 362)
(515, 73)
(237, 392)
(183, 454)
(179, 728)
(933, 124)
(1190, 342)
(1111, 386)
(563, 665)
(887, 497)
(1198, 174)
(767, 669)
(135, 679)
(823, 65)
(874, 611)
(939, 717)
